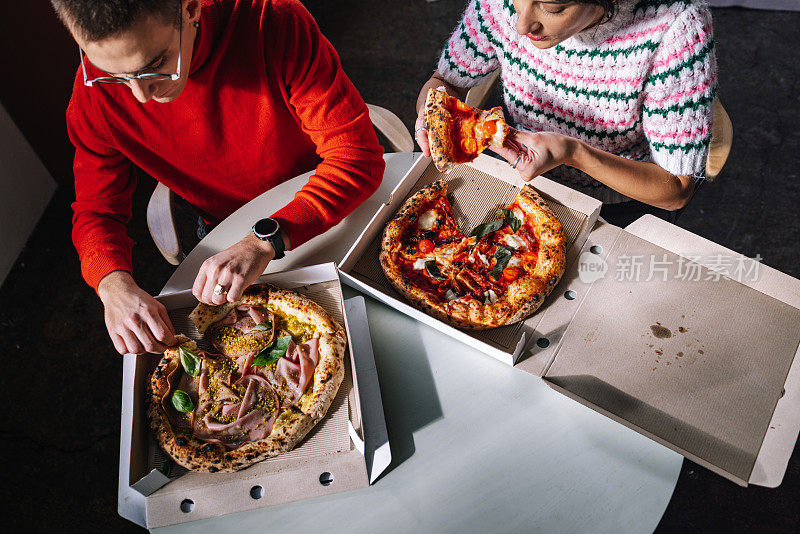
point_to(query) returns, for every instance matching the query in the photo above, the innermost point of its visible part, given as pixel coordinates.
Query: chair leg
(161, 223)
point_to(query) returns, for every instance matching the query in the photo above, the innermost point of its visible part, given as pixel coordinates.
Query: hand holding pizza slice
(457, 132)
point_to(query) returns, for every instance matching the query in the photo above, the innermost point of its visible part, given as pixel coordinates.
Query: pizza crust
(440, 124)
(523, 297)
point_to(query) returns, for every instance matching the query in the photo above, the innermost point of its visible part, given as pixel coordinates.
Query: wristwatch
(269, 230)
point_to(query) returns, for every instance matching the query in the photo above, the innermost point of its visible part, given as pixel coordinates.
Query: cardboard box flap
(784, 428)
(664, 344)
(475, 190)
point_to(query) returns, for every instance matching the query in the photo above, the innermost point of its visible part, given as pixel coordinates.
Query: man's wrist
(112, 282)
(263, 245)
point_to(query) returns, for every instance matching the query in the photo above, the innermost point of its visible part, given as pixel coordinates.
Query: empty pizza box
(676, 337)
(348, 449)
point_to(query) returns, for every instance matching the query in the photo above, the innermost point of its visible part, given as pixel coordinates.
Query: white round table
(477, 446)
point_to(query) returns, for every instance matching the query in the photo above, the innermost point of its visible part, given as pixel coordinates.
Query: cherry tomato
(489, 128)
(510, 273)
(425, 246)
(469, 145)
(463, 106)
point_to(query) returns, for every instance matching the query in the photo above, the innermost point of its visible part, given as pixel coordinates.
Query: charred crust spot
(181, 441)
(212, 469)
(207, 448)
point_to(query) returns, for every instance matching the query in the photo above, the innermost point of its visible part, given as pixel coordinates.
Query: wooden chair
(160, 209)
(721, 131)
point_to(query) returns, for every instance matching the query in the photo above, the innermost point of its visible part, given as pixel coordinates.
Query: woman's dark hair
(97, 20)
(609, 7)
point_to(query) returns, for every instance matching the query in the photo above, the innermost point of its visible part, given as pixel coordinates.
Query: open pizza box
(348, 449)
(672, 335)
(475, 190)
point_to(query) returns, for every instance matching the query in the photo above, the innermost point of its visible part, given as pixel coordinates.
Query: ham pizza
(279, 366)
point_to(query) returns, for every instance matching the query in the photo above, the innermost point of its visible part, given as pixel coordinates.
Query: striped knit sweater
(640, 86)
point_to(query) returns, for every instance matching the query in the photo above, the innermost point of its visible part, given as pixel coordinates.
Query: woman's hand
(535, 153)
(421, 134)
(234, 269)
(136, 322)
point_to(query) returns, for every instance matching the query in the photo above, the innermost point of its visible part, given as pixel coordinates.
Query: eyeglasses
(150, 76)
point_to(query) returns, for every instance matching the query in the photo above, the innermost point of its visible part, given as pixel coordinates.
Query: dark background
(60, 432)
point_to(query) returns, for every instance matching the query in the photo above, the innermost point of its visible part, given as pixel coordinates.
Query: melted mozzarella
(451, 295)
(514, 262)
(499, 135)
(518, 214)
(482, 259)
(427, 221)
(491, 297)
(513, 241)
(420, 264)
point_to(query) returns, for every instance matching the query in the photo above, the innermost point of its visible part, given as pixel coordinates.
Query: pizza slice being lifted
(457, 132)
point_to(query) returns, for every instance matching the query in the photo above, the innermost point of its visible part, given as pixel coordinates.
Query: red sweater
(266, 100)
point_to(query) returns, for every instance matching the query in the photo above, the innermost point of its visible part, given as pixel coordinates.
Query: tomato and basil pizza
(497, 275)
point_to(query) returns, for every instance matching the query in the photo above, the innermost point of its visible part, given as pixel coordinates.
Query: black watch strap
(277, 243)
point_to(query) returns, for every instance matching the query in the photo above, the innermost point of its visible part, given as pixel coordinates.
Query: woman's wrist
(575, 153)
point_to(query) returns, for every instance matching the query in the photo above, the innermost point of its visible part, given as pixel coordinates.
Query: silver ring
(516, 161)
(420, 128)
(219, 289)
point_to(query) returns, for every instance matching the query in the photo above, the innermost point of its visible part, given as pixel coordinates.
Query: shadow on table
(621, 406)
(408, 391)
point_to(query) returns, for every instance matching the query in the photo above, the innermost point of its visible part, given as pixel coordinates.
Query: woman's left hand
(535, 153)
(233, 269)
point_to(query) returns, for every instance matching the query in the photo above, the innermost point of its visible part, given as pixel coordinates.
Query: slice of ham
(249, 424)
(296, 368)
(244, 318)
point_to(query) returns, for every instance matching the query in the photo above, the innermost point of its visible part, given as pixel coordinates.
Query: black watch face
(266, 227)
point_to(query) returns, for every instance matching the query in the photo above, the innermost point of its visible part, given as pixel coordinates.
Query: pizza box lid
(682, 340)
(348, 449)
(475, 189)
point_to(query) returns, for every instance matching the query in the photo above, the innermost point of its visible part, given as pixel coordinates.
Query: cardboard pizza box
(682, 340)
(476, 189)
(348, 449)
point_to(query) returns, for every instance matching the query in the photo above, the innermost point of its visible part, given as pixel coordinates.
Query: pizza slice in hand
(457, 132)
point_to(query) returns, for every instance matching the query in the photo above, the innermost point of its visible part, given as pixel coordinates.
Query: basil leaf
(511, 220)
(182, 402)
(503, 256)
(433, 270)
(262, 327)
(190, 361)
(274, 352)
(487, 228)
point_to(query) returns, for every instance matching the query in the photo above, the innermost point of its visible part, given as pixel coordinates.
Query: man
(220, 101)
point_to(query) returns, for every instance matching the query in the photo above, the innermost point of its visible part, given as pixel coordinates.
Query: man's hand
(136, 322)
(234, 269)
(535, 153)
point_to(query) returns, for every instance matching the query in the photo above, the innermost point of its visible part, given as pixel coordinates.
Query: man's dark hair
(95, 20)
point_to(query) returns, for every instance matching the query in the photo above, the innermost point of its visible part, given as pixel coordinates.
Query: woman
(613, 97)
